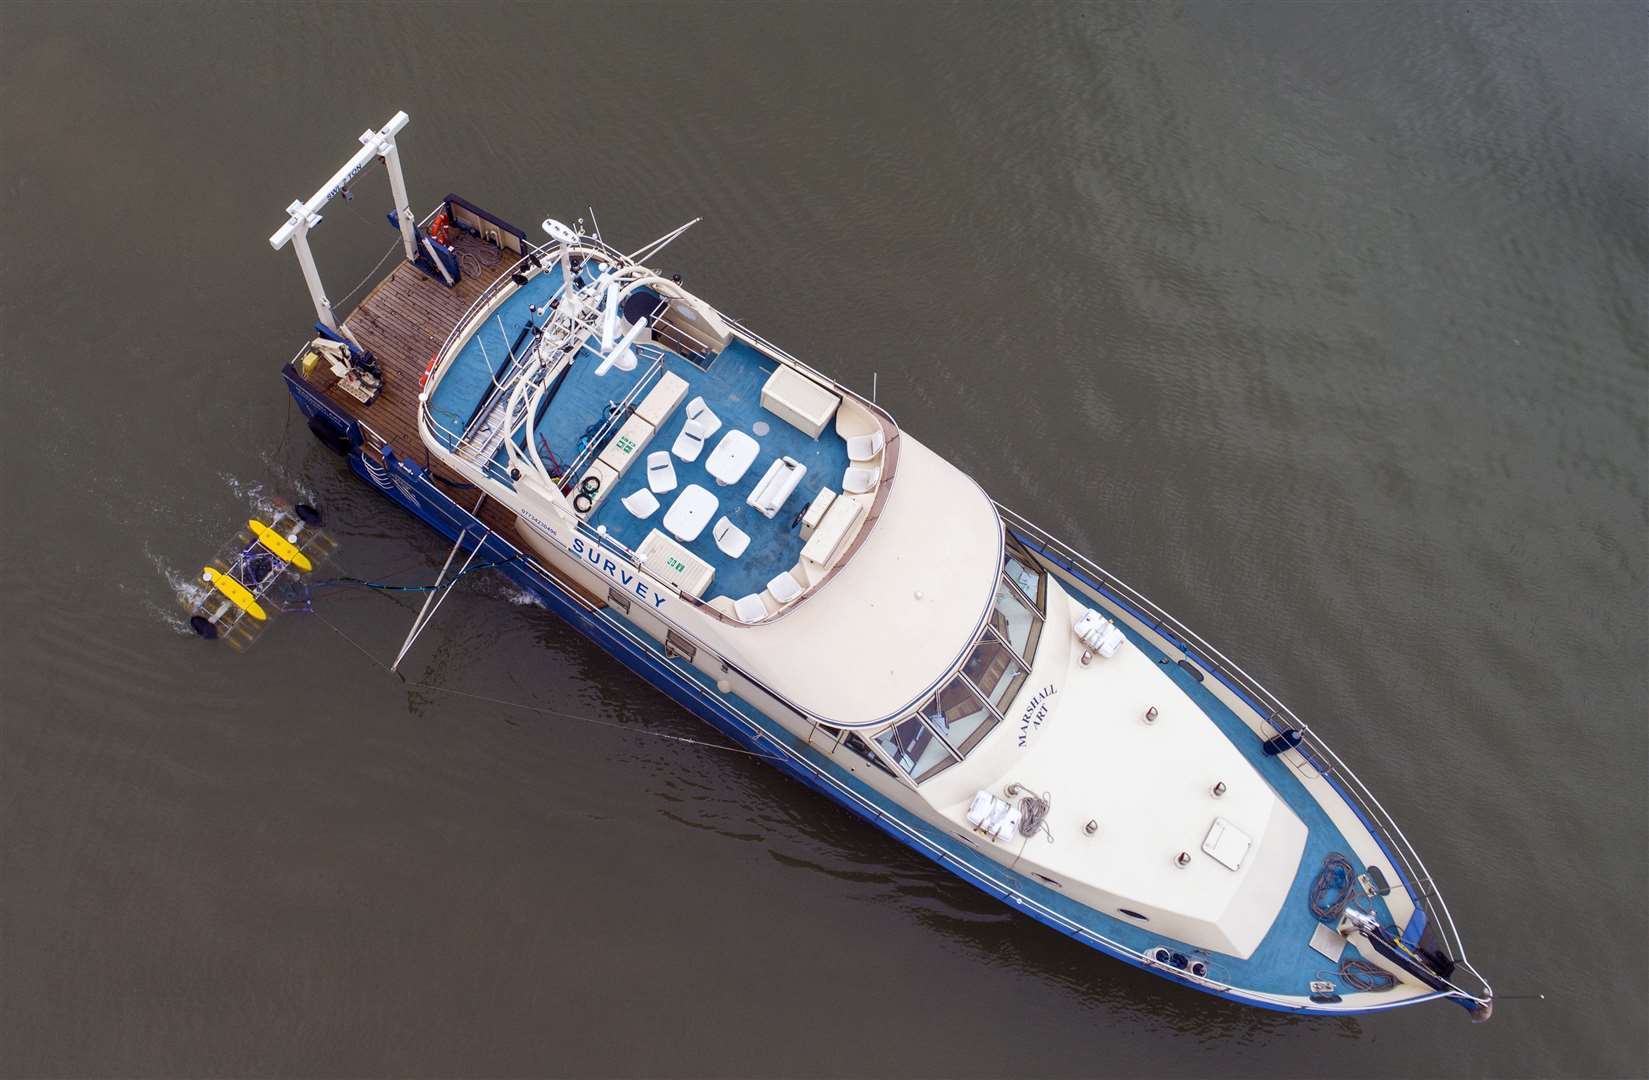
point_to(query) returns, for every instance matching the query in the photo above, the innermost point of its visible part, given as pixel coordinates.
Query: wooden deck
(402, 322)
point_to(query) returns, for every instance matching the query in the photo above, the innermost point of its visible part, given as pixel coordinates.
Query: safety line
(540, 708)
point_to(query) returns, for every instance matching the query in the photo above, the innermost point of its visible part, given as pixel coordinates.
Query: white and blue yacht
(773, 551)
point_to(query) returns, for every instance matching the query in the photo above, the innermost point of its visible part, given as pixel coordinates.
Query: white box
(628, 445)
(798, 400)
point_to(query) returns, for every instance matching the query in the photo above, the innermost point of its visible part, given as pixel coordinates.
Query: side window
(1026, 574)
(1015, 621)
(678, 647)
(862, 748)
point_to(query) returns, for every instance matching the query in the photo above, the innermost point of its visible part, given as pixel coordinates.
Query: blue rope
(1331, 889)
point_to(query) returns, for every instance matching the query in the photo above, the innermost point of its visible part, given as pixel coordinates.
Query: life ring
(583, 503)
(440, 228)
(590, 485)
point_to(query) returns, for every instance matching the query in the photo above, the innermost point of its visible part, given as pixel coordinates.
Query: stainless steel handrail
(1422, 885)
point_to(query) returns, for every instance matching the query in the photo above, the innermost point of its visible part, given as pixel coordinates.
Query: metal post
(311, 275)
(398, 188)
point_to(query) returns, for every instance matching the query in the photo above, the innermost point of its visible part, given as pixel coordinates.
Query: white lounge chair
(690, 443)
(858, 479)
(865, 447)
(661, 475)
(641, 502)
(709, 421)
(730, 538)
(775, 486)
(750, 608)
(784, 588)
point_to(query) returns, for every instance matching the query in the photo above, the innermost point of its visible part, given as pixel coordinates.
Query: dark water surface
(1323, 324)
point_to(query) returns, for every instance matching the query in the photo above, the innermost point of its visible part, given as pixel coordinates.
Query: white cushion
(661, 475)
(865, 447)
(690, 443)
(659, 402)
(750, 608)
(730, 538)
(698, 410)
(858, 480)
(784, 588)
(641, 503)
(775, 486)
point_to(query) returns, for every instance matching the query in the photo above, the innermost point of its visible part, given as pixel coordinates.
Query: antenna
(656, 246)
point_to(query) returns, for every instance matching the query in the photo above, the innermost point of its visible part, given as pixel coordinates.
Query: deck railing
(1276, 717)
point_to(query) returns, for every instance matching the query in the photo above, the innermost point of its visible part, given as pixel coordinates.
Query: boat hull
(415, 490)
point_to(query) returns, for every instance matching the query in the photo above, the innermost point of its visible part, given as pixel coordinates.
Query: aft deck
(402, 321)
(731, 386)
(570, 425)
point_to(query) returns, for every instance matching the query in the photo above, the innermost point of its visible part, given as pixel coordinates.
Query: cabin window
(619, 600)
(1015, 621)
(826, 736)
(917, 748)
(1026, 574)
(995, 670)
(679, 647)
(862, 748)
(959, 715)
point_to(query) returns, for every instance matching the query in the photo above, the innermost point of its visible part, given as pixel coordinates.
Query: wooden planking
(402, 322)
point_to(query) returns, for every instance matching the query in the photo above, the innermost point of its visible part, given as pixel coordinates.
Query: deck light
(1182, 860)
(1151, 715)
(1218, 789)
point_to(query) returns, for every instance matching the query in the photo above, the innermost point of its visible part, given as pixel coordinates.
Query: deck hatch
(1227, 844)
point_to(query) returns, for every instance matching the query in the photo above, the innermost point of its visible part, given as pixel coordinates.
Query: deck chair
(859, 479)
(731, 539)
(690, 443)
(661, 475)
(865, 447)
(750, 608)
(641, 503)
(709, 421)
(784, 588)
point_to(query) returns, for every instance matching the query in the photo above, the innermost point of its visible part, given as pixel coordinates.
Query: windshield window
(995, 670)
(916, 748)
(958, 714)
(953, 721)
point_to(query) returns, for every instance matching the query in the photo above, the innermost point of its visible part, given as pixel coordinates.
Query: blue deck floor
(468, 379)
(731, 384)
(732, 388)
